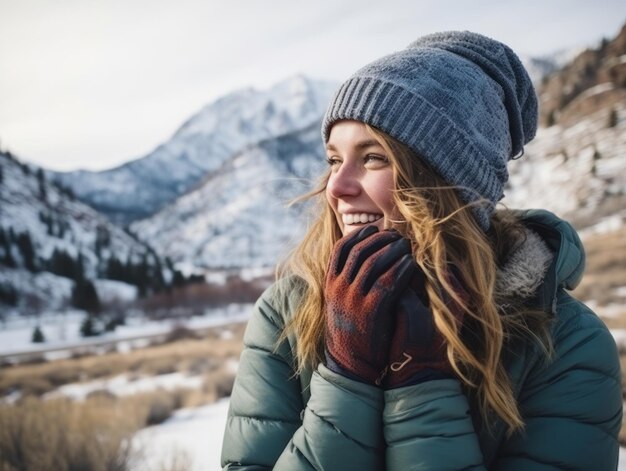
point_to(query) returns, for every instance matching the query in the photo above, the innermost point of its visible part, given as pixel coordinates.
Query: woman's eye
(332, 161)
(376, 161)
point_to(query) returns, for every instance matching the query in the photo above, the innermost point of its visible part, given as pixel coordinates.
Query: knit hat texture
(462, 101)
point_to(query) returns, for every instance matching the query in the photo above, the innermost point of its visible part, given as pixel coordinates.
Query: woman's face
(360, 185)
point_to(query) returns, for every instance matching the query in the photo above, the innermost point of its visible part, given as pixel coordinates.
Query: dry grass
(92, 435)
(96, 434)
(44, 435)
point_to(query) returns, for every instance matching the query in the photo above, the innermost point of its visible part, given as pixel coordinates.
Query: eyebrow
(360, 145)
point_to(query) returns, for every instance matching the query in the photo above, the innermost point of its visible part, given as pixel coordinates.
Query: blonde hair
(444, 234)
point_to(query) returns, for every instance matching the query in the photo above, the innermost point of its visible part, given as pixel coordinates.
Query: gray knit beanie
(462, 101)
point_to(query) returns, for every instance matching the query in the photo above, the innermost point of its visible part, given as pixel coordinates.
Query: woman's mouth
(353, 219)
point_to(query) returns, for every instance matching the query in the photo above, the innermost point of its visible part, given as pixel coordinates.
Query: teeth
(361, 218)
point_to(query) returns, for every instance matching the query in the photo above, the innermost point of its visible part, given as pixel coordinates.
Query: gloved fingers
(395, 278)
(344, 246)
(366, 252)
(396, 259)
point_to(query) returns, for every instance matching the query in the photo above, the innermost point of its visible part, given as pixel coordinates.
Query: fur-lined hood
(550, 256)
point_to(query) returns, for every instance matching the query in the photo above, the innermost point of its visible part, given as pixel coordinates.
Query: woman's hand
(418, 349)
(367, 274)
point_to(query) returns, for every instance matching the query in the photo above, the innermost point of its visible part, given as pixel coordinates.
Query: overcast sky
(94, 83)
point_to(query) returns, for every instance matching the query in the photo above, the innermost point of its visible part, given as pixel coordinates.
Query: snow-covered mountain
(214, 135)
(49, 241)
(238, 217)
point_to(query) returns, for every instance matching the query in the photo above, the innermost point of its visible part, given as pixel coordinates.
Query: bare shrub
(61, 435)
(161, 406)
(220, 383)
(180, 332)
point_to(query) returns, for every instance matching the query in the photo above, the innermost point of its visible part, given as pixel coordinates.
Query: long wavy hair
(444, 233)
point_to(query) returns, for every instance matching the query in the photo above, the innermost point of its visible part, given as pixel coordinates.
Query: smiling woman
(360, 184)
(416, 326)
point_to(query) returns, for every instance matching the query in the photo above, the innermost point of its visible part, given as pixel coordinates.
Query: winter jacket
(319, 420)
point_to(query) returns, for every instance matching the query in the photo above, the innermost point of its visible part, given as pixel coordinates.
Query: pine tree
(88, 327)
(85, 296)
(8, 295)
(79, 268)
(38, 336)
(25, 245)
(62, 264)
(41, 179)
(178, 279)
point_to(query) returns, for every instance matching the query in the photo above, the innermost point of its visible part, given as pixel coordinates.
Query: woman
(415, 327)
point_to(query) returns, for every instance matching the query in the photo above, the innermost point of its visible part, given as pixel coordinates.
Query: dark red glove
(418, 350)
(367, 273)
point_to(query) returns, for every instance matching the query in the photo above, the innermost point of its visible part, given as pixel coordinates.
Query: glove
(418, 350)
(367, 273)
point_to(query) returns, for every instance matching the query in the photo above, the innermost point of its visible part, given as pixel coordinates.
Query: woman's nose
(344, 182)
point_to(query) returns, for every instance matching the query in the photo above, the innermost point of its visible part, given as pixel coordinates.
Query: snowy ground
(193, 435)
(62, 331)
(197, 435)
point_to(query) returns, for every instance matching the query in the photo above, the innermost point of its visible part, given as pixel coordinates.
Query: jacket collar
(567, 261)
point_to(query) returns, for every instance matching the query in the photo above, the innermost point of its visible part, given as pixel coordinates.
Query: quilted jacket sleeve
(270, 427)
(572, 407)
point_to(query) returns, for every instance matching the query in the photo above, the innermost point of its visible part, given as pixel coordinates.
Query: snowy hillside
(237, 217)
(49, 240)
(578, 169)
(215, 134)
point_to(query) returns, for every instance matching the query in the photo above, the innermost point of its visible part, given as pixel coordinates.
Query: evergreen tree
(111, 325)
(38, 336)
(8, 295)
(5, 244)
(178, 279)
(41, 180)
(79, 268)
(62, 264)
(85, 296)
(88, 327)
(25, 246)
(115, 270)
(1, 175)
(103, 238)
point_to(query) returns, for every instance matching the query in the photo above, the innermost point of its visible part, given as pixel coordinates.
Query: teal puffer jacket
(572, 405)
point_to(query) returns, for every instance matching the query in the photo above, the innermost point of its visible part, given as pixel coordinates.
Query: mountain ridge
(216, 132)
